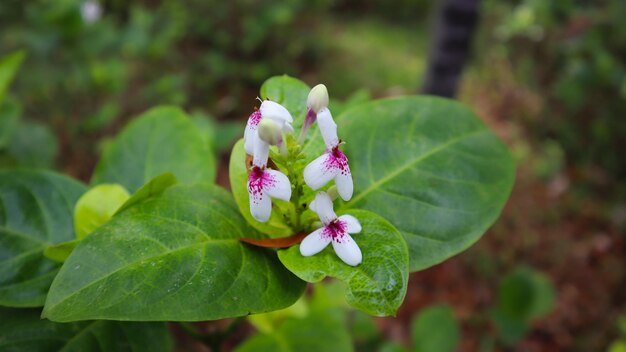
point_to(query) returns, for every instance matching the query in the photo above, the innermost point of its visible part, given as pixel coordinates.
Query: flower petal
(317, 173)
(260, 206)
(324, 207)
(313, 243)
(248, 134)
(347, 250)
(352, 224)
(287, 128)
(278, 185)
(343, 180)
(275, 111)
(261, 151)
(328, 128)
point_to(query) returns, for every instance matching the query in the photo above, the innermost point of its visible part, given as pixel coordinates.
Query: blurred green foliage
(572, 55)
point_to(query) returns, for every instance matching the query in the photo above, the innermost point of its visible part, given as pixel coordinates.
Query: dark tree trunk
(456, 22)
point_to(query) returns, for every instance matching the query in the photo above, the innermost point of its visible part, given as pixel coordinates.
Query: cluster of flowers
(267, 126)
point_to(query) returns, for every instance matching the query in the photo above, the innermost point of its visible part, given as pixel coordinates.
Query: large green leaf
(238, 173)
(9, 65)
(35, 211)
(377, 285)
(22, 330)
(430, 167)
(435, 329)
(174, 256)
(161, 140)
(292, 93)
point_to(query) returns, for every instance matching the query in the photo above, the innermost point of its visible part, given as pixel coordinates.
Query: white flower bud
(318, 98)
(270, 132)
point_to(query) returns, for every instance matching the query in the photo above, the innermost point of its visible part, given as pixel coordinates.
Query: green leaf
(96, 207)
(238, 173)
(9, 65)
(435, 329)
(35, 211)
(10, 112)
(378, 285)
(317, 332)
(430, 167)
(291, 93)
(525, 294)
(60, 252)
(33, 145)
(173, 257)
(152, 188)
(161, 140)
(23, 330)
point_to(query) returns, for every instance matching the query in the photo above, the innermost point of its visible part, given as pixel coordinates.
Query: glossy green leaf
(291, 93)
(96, 207)
(161, 140)
(9, 65)
(430, 167)
(60, 252)
(22, 330)
(435, 329)
(378, 285)
(35, 211)
(238, 173)
(173, 257)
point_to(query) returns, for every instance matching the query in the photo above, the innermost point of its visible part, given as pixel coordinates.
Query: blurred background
(549, 77)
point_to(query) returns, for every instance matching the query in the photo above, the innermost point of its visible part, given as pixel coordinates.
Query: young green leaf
(291, 93)
(35, 211)
(238, 173)
(9, 65)
(173, 256)
(161, 140)
(96, 207)
(152, 188)
(430, 167)
(24, 330)
(377, 285)
(60, 252)
(435, 329)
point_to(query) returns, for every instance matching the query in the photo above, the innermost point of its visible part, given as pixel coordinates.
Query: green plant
(429, 178)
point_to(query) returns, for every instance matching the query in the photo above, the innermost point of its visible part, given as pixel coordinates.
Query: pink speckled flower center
(337, 161)
(258, 181)
(335, 230)
(255, 118)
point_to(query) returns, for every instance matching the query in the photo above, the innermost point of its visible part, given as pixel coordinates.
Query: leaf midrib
(412, 162)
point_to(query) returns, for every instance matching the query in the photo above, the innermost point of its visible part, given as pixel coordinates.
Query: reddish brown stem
(282, 242)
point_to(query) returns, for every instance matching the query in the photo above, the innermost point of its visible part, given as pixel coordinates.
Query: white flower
(268, 110)
(335, 230)
(316, 101)
(264, 184)
(333, 164)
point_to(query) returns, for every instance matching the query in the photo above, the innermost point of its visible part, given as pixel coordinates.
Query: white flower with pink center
(335, 230)
(268, 110)
(333, 164)
(265, 184)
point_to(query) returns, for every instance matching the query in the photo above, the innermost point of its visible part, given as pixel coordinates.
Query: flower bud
(318, 98)
(270, 132)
